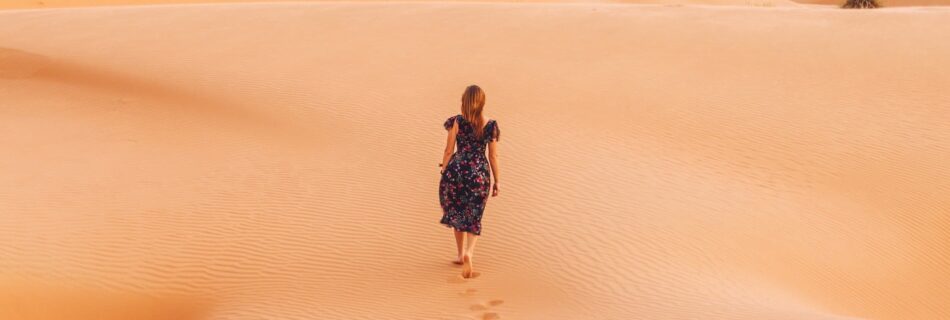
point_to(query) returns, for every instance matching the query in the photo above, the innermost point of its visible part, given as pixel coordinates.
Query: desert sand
(39, 4)
(279, 161)
(34, 4)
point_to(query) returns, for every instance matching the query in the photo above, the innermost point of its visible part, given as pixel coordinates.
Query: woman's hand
(494, 190)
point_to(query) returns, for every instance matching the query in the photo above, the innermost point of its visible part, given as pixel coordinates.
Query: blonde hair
(473, 100)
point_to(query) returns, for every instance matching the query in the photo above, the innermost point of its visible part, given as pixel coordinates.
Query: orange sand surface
(278, 161)
(34, 4)
(885, 3)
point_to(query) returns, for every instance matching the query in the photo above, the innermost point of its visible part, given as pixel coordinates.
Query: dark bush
(860, 4)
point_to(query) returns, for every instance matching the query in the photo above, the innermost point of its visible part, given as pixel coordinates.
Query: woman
(463, 189)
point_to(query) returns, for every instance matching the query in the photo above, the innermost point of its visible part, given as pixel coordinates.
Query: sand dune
(36, 4)
(33, 4)
(885, 3)
(278, 160)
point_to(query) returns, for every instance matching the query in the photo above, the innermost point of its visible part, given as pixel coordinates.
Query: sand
(40, 4)
(33, 4)
(884, 3)
(279, 161)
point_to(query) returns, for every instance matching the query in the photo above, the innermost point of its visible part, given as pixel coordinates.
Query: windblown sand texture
(278, 161)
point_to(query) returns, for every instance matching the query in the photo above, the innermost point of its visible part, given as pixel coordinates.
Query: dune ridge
(41, 4)
(279, 160)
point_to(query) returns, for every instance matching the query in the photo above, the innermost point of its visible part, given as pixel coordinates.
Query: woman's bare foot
(457, 261)
(466, 266)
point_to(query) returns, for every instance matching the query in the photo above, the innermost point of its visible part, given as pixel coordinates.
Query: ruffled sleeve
(449, 122)
(494, 133)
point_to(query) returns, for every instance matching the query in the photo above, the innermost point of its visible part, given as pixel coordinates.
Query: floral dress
(463, 189)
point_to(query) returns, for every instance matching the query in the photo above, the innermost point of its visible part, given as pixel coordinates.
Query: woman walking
(463, 189)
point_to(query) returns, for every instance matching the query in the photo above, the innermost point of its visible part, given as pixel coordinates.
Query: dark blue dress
(464, 187)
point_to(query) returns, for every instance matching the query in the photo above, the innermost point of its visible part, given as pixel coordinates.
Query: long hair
(473, 100)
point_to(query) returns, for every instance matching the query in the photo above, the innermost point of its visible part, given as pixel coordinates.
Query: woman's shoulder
(491, 124)
(451, 121)
(494, 133)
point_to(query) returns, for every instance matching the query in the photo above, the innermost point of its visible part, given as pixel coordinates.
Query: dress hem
(460, 229)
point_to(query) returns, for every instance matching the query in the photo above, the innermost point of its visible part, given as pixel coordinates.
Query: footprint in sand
(485, 306)
(471, 292)
(468, 292)
(459, 279)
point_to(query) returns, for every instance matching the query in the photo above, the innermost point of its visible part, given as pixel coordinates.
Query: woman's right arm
(449, 146)
(493, 163)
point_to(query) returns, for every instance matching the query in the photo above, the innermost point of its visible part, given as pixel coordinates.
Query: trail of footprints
(483, 308)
